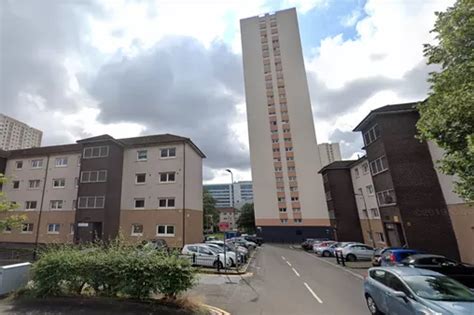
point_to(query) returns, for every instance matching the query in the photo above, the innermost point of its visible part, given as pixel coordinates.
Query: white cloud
(351, 19)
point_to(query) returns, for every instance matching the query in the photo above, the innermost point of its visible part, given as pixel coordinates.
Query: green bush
(111, 271)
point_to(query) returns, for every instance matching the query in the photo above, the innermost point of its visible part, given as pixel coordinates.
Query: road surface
(286, 281)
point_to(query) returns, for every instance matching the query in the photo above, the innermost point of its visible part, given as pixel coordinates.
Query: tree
(246, 220)
(211, 215)
(6, 206)
(447, 116)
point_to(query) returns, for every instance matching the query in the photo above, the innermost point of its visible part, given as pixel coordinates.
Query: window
(56, 204)
(371, 135)
(278, 169)
(290, 158)
(95, 152)
(168, 153)
(291, 168)
(94, 176)
(137, 230)
(297, 220)
(53, 228)
(287, 139)
(276, 159)
(395, 284)
(370, 189)
(375, 212)
(274, 131)
(165, 230)
(279, 179)
(356, 172)
(386, 197)
(281, 199)
(61, 162)
(282, 209)
(379, 165)
(365, 168)
(30, 205)
(7, 229)
(139, 203)
(296, 209)
(274, 140)
(36, 163)
(294, 188)
(92, 202)
(276, 150)
(295, 199)
(19, 165)
(140, 178)
(27, 228)
(168, 177)
(16, 184)
(59, 183)
(280, 189)
(292, 178)
(283, 221)
(289, 149)
(166, 203)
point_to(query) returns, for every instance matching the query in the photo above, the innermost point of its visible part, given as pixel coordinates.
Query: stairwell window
(386, 197)
(371, 135)
(95, 152)
(379, 165)
(91, 202)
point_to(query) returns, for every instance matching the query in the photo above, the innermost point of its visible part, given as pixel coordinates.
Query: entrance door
(88, 232)
(393, 235)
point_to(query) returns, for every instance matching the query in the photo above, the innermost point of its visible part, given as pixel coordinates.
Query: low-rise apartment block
(144, 188)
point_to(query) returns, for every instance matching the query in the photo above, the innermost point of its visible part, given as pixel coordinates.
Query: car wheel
(326, 253)
(218, 265)
(351, 257)
(372, 306)
(232, 263)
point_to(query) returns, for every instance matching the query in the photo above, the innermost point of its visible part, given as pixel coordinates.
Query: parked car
(252, 238)
(230, 246)
(158, 244)
(393, 257)
(376, 259)
(205, 256)
(356, 251)
(309, 242)
(463, 273)
(243, 242)
(231, 254)
(322, 248)
(404, 290)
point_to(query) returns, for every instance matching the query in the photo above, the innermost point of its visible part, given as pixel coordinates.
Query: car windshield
(439, 288)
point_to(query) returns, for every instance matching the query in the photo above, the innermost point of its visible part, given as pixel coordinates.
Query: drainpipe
(35, 252)
(184, 194)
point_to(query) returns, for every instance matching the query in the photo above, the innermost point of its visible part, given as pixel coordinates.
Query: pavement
(284, 280)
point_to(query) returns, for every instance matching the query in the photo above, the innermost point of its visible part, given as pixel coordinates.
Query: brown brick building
(144, 188)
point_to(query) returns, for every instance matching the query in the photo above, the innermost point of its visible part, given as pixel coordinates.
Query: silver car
(202, 255)
(357, 251)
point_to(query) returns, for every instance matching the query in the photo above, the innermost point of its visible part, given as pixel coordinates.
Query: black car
(257, 240)
(463, 273)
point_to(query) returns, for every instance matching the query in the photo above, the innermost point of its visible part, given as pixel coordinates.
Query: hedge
(114, 271)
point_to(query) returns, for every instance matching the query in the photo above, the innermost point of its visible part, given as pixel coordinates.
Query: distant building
(329, 152)
(288, 193)
(16, 135)
(222, 194)
(227, 219)
(412, 206)
(143, 187)
(341, 202)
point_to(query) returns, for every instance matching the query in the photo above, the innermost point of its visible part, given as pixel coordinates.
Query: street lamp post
(232, 201)
(366, 211)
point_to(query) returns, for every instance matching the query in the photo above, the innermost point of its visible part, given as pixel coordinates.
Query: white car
(229, 246)
(202, 255)
(229, 253)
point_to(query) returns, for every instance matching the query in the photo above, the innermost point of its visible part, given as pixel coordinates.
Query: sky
(80, 68)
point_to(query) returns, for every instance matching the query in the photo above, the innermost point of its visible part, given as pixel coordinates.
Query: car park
(356, 251)
(234, 258)
(377, 257)
(404, 290)
(202, 255)
(463, 273)
(393, 257)
(252, 238)
(231, 246)
(324, 248)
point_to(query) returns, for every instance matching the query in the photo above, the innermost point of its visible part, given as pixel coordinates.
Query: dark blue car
(393, 257)
(407, 291)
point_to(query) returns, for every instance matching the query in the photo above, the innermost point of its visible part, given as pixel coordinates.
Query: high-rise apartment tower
(16, 135)
(288, 191)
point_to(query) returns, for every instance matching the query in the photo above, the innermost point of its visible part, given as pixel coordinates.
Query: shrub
(115, 270)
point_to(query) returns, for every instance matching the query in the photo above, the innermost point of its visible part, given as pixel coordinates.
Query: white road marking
(312, 292)
(289, 264)
(337, 266)
(296, 272)
(283, 257)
